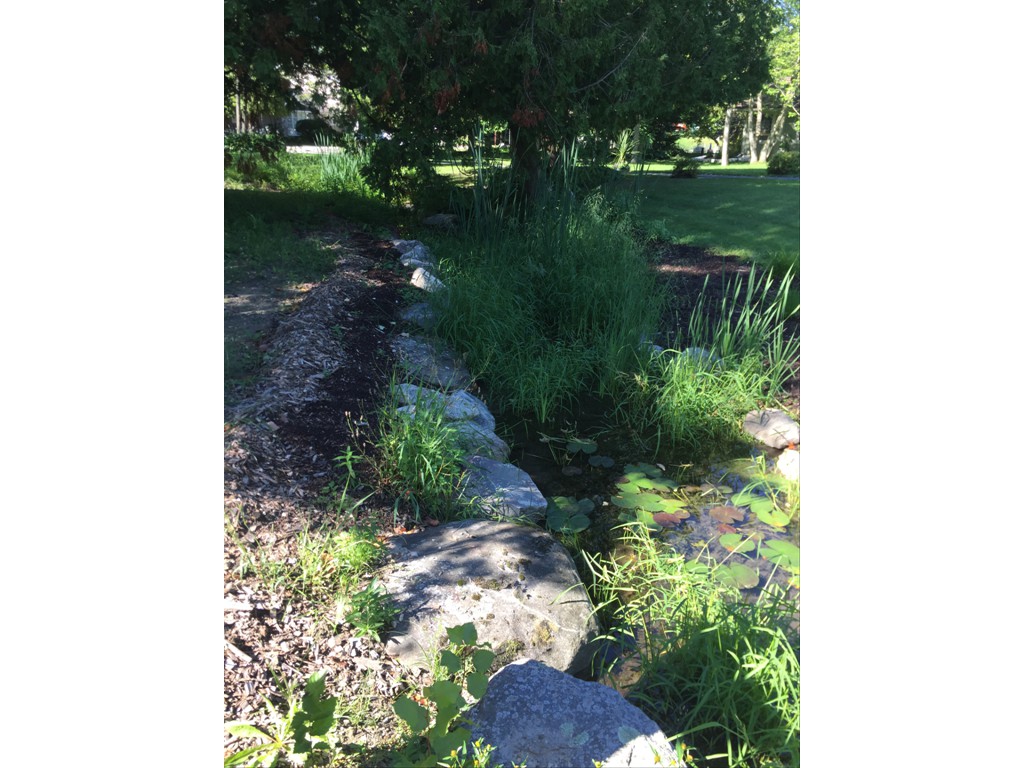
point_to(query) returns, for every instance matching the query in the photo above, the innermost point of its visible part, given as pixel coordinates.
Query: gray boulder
(503, 490)
(540, 717)
(430, 363)
(442, 220)
(772, 427)
(515, 583)
(421, 314)
(418, 256)
(426, 281)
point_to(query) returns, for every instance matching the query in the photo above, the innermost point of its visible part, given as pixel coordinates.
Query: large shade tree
(551, 70)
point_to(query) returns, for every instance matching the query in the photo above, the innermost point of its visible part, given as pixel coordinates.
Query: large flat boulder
(537, 716)
(516, 583)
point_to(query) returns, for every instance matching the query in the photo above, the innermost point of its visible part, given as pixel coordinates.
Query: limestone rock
(772, 427)
(477, 440)
(503, 490)
(515, 583)
(538, 716)
(418, 256)
(431, 364)
(426, 281)
(458, 405)
(788, 465)
(421, 314)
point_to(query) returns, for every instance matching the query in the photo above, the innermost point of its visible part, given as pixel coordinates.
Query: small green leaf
(577, 523)
(581, 444)
(412, 713)
(245, 730)
(648, 469)
(585, 506)
(769, 513)
(482, 659)
(445, 693)
(601, 461)
(450, 662)
(464, 634)
(663, 484)
(476, 684)
(445, 744)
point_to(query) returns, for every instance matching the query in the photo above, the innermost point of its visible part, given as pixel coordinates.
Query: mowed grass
(749, 217)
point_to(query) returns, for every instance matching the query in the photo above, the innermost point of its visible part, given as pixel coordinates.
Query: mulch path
(326, 367)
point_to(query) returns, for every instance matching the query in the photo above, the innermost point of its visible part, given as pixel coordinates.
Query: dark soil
(278, 473)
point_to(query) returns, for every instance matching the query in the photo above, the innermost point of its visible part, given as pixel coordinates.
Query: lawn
(750, 217)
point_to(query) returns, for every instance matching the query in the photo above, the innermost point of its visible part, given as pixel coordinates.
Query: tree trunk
(775, 135)
(526, 159)
(758, 156)
(238, 109)
(725, 137)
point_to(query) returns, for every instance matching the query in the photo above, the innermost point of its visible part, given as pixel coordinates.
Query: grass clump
(549, 306)
(717, 671)
(731, 359)
(418, 454)
(253, 246)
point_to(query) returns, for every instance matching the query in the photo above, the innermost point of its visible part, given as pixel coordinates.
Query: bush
(686, 167)
(246, 151)
(784, 164)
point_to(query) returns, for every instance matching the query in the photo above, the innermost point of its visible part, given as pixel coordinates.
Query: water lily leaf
(581, 444)
(725, 514)
(666, 519)
(725, 528)
(601, 461)
(770, 514)
(627, 500)
(585, 506)
(576, 523)
(658, 483)
(648, 469)
(647, 519)
(652, 502)
(630, 488)
(630, 477)
(564, 503)
(785, 554)
(736, 542)
(738, 575)
(745, 497)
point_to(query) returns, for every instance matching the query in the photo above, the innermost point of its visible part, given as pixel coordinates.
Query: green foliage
(784, 164)
(718, 671)
(250, 153)
(419, 454)
(551, 306)
(298, 733)
(370, 611)
(685, 167)
(254, 247)
(567, 515)
(462, 669)
(314, 130)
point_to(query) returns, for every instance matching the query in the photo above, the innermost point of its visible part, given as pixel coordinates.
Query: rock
(426, 281)
(503, 490)
(477, 440)
(788, 464)
(458, 406)
(442, 220)
(433, 366)
(772, 427)
(404, 246)
(538, 716)
(421, 314)
(516, 583)
(418, 256)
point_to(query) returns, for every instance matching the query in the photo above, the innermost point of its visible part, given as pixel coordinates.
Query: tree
(552, 70)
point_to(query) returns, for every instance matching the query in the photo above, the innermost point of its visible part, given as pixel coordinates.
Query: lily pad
(737, 575)
(737, 542)
(725, 514)
(666, 519)
(581, 444)
(664, 484)
(601, 461)
(769, 513)
(785, 554)
(745, 498)
(648, 469)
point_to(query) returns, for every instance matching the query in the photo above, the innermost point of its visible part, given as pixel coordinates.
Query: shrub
(686, 167)
(248, 152)
(784, 164)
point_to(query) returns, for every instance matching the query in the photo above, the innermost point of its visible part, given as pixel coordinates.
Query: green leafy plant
(567, 515)
(370, 611)
(641, 496)
(419, 454)
(296, 734)
(245, 152)
(462, 668)
(784, 164)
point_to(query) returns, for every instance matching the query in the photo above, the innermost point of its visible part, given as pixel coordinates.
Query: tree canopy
(550, 69)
